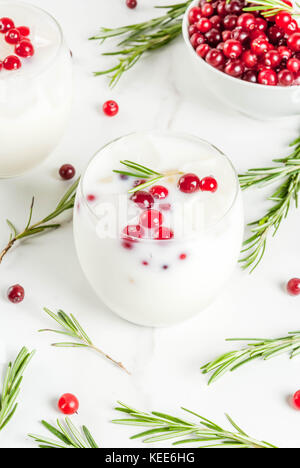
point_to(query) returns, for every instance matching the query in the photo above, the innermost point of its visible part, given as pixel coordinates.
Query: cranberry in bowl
(158, 254)
(249, 62)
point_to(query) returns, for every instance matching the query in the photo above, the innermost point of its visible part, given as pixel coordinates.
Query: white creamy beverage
(161, 254)
(36, 96)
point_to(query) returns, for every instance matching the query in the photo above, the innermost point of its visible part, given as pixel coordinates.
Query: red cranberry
(293, 42)
(235, 68)
(285, 78)
(284, 52)
(208, 184)
(67, 171)
(261, 24)
(250, 59)
(202, 50)
(192, 29)
(24, 49)
(213, 37)
(24, 31)
(143, 199)
(296, 399)
(267, 77)
(232, 49)
(272, 59)
(293, 65)
(16, 294)
(133, 232)
(6, 24)
(207, 10)
(259, 46)
(12, 63)
(151, 219)
(110, 108)
(12, 36)
(194, 15)
(226, 35)
(230, 22)
(250, 76)
(68, 404)
(220, 46)
(182, 256)
(189, 183)
(90, 197)
(275, 34)
(163, 233)
(138, 182)
(1, 65)
(204, 25)
(282, 19)
(215, 21)
(247, 21)
(293, 287)
(215, 58)
(145, 263)
(197, 39)
(234, 6)
(292, 27)
(221, 8)
(159, 191)
(242, 36)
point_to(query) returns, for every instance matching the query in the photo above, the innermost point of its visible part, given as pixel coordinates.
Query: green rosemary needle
(67, 436)
(11, 386)
(66, 203)
(165, 427)
(72, 328)
(256, 348)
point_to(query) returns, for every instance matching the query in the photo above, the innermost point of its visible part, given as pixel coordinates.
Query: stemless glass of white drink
(35, 99)
(173, 270)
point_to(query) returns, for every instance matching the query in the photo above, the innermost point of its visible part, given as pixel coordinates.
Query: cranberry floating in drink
(158, 254)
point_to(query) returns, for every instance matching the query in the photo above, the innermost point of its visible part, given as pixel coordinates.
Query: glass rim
(167, 133)
(20, 76)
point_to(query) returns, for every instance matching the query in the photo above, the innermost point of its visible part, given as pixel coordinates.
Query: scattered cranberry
(12, 63)
(16, 294)
(208, 184)
(131, 4)
(182, 256)
(151, 219)
(293, 287)
(68, 404)
(159, 191)
(24, 49)
(163, 233)
(267, 77)
(143, 199)
(138, 182)
(189, 183)
(296, 400)
(145, 263)
(6, 24)
(133, 231)
(12, 36)
(91, 197)
(24, 31)
(67, 172)
(110, 108)
(285, 78)
(165, 267)
(194, 15)
(215, 58)
(232, 49)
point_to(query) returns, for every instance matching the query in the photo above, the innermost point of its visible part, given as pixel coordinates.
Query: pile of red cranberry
(247, 45)
(18, 37)
(151, 220)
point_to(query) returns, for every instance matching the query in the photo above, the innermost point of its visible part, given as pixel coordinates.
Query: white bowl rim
(225, 76)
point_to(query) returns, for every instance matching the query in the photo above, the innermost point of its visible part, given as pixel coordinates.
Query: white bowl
(258, 101)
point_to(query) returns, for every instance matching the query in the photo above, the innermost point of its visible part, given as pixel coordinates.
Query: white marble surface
(159, 93)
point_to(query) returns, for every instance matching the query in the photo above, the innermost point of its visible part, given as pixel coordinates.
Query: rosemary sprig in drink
(11, 386)
(256, 348)
(66, 203)
(165, 427)
(72, 328)
(287, 170)
(136, 170)
(67, 436)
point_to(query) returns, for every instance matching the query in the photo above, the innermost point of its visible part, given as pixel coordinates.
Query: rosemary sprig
(136, 170)
(66, 203)
(11, 386)
(256, 348)
(67, 436)
(141, 38)
(165, 427)
(287, 169)
(72, 328)
(271, 7)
